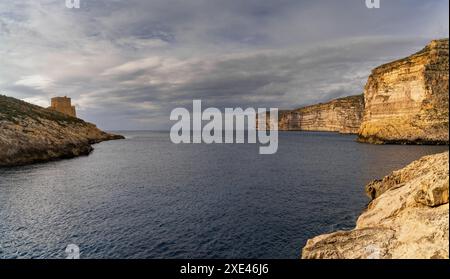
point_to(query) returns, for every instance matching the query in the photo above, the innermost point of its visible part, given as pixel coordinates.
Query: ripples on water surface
(145, 197)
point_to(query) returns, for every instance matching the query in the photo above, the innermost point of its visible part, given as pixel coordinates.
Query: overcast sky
(128, 63)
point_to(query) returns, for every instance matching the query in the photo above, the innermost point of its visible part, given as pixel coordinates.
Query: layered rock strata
(406, 101)
(343, 115)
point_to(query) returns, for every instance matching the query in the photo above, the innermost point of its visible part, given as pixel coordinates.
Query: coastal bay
(144, 197)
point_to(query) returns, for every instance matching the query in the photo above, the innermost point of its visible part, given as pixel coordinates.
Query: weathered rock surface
(406, 101)
(343, 115)
(30, 134)
(408, 218)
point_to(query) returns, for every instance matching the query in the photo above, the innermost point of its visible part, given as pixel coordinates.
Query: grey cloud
(127, 64)
(284, 79)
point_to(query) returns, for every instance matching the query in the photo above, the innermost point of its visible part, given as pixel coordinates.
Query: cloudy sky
(128, 63)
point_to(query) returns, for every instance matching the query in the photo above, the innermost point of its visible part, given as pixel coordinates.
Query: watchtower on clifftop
(63, 105)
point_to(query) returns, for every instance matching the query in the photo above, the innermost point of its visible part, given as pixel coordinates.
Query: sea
(145, 197)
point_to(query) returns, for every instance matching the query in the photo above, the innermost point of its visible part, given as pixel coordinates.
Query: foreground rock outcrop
(406, 101)
(30, 134)
(343, 115)
(408, 218)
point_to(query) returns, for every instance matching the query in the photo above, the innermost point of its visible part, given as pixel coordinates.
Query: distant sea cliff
(31, 134)
(343, 115)
(404, 102)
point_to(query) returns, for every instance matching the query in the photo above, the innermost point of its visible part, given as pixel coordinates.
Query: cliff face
(406, 101)
(30, 134)
(407, 218)
(342, 115)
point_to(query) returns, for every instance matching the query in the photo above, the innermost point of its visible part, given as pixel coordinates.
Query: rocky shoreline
(31, 134)
(408, 218)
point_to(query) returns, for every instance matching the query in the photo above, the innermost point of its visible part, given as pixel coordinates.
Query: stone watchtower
(63, 105)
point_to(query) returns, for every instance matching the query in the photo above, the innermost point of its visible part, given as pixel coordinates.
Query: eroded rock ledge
(31, 134)
(408, 218)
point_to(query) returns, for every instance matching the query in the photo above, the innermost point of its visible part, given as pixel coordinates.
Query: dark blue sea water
(145, 197)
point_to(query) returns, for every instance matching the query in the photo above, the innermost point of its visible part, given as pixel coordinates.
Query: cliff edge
(30, 134)
(406, 101)
(343, 115)
(408, 218)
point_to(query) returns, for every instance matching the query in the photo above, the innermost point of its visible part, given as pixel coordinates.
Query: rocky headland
(343, 115)
(408, 218)
(31, 134)
(406, 101)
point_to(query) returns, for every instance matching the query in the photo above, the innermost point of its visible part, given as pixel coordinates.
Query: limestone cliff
(30, 134)
(342, 115)
(407, 218)
(406, 101)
